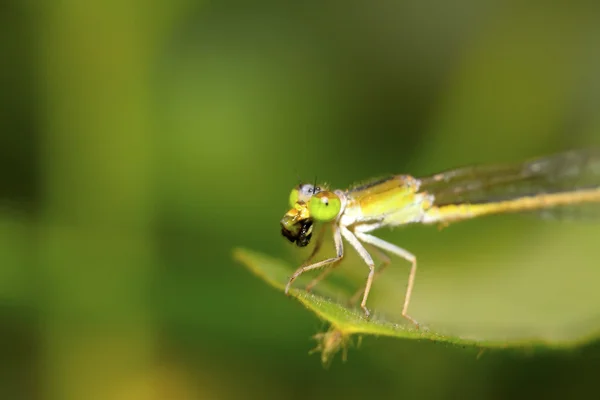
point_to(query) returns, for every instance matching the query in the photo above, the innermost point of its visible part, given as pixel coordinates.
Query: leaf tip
(330, 342)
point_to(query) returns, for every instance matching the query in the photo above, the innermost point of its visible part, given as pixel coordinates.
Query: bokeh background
(141, 141)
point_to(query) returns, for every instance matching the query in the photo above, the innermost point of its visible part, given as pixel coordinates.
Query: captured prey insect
(564, 179)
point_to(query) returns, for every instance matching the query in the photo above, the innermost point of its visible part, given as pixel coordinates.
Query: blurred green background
(141, 141)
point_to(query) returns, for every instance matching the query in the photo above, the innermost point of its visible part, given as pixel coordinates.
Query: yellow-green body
(562, 179)
(386, 202)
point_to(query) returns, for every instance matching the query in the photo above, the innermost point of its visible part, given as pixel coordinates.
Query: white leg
(339, 249)
(349, 236)
(385, 261)
(327, 271)
(318, 244)
(400, 252)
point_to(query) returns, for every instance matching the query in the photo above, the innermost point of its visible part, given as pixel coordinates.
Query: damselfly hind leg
(400, 252)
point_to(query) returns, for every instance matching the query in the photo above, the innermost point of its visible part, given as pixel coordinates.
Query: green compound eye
(293, 197)
(324, 206)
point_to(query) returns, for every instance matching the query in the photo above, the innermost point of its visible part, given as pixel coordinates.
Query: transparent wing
(565, 172)
(589, 212)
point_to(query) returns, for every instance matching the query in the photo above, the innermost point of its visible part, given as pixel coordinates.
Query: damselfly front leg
(327, 271)
(339, 250)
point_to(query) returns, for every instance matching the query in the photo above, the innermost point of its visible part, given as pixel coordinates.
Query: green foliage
(346, 322)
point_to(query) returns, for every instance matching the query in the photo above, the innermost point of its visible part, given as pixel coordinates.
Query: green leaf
(346, 322)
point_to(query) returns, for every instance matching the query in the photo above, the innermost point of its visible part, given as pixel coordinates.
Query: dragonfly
(561, 180)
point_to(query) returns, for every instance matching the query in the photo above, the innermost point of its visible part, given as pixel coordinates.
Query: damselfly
(564, 179)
